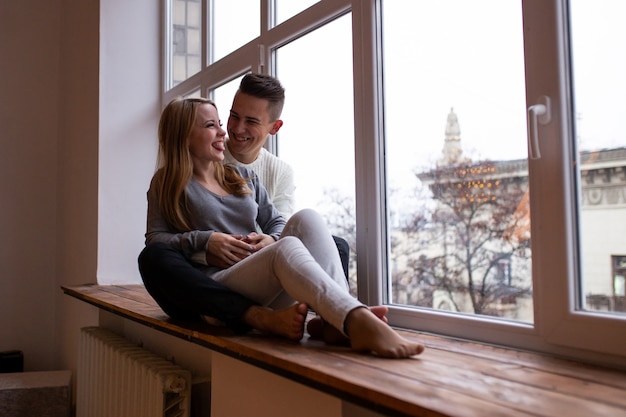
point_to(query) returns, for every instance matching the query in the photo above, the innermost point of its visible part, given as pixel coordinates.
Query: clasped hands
(225, 250)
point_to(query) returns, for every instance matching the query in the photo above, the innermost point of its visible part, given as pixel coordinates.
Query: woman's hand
(226, 250)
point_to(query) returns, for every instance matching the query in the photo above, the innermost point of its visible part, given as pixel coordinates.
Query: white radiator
(116, 378)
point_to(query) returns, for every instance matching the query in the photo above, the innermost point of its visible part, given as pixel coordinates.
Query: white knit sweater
(276, 176)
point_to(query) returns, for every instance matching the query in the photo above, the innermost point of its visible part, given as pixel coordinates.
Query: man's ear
(276, 127)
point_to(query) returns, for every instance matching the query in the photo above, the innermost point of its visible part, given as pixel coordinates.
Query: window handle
(537, 114)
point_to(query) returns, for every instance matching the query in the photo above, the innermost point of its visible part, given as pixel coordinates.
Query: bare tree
(474, 244)
(339, 212)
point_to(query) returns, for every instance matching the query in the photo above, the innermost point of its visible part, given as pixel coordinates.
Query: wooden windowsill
(452, 378)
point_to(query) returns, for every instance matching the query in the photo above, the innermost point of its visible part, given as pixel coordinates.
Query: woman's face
(206, 141)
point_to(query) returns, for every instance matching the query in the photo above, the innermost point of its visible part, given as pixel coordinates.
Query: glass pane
(286, 9)
(185, 40)
(317, 138)
(456, 147)
(235, 23)
(223, 98)
(598, 59)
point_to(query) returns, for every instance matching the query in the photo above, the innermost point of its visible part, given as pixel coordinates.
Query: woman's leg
(310, 228)
(366, 329)
(288, 267)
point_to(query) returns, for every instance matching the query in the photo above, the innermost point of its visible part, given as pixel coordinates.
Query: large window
(469, 151)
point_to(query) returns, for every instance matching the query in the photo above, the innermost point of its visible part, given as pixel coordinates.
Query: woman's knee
(288, 246)
(304, 222)
(305, 215)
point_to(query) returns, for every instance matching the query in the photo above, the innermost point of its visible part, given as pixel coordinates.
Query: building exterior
(472, 253)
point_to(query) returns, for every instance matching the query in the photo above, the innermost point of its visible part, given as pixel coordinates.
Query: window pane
(456, 147)
(599, 58)
(317, 138)
(185, 40)
(234, 24)
(286, 9)
(223, 97)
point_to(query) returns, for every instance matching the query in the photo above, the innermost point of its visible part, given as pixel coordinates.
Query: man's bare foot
(319, 329)
(287, 323)
(370, 334)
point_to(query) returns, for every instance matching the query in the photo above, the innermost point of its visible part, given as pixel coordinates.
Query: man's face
(249, 125)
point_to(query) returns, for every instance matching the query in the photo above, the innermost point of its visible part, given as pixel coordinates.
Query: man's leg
(344, 254)
(185, 292)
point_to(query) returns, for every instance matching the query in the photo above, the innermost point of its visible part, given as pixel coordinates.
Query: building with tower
(493, 197)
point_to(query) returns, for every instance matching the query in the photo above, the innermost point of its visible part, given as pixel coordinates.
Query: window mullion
(369, 157)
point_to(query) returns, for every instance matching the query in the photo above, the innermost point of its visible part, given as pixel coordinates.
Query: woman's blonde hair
(176, 166)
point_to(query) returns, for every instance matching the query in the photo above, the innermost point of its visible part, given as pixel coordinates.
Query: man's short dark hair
(267, 88)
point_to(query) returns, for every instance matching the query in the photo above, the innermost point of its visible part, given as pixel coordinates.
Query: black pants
(184, 292)
(344, 254)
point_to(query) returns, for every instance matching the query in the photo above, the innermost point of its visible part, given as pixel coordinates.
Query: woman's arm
(159, 230)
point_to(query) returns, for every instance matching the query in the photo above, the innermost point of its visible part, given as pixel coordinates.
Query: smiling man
(254, 116)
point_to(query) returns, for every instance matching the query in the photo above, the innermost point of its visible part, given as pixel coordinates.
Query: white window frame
(559, 326)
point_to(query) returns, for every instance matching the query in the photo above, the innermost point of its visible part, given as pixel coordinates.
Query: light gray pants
(303, 265)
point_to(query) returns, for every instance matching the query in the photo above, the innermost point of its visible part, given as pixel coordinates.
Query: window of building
(619, 284)
(184, 46)
(468, 150)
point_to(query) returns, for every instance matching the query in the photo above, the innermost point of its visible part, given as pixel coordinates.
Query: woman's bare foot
(287, 323)
(370, 334)
(319, 329)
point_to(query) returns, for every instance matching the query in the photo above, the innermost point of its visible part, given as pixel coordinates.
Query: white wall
(80, 103)
(129, 113)
(77, 159)
(29, 117)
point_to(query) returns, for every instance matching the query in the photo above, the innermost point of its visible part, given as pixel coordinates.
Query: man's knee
(344, 254)
(156, 257)
(154, 250)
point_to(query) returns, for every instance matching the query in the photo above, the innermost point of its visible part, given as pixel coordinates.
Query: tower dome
(452, 151)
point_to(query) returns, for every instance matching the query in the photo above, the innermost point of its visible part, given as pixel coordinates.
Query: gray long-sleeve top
(210, 212)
